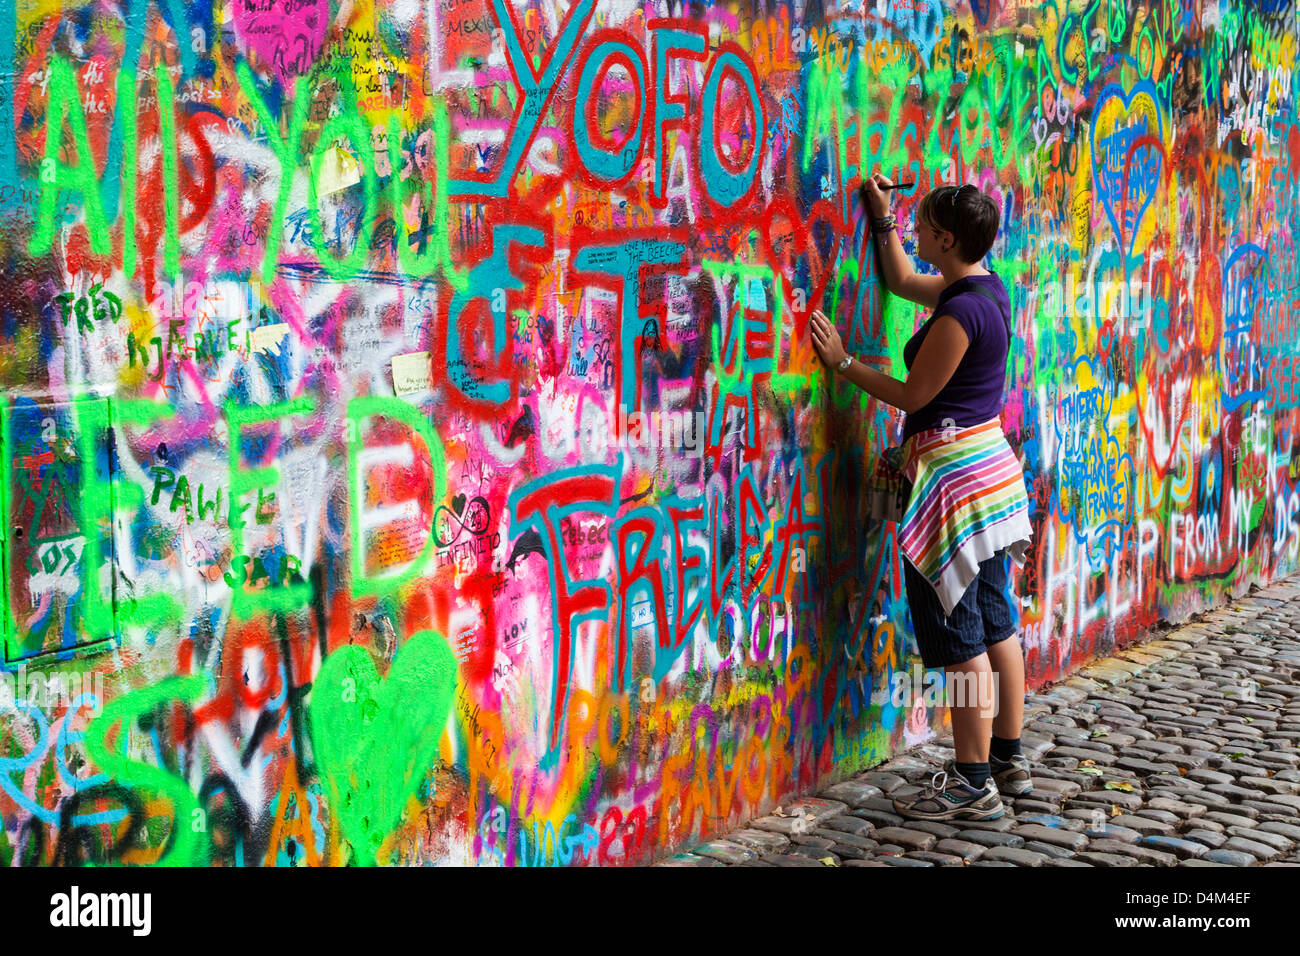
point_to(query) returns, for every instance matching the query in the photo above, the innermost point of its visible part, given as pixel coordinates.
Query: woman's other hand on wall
(826, 339)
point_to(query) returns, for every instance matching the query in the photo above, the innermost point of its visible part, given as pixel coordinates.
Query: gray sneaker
(1012, 776)
(949, 796)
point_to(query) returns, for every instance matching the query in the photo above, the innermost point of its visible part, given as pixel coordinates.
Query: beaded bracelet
(883, 225)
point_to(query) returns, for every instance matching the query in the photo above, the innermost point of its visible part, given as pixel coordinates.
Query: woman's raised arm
(900, 277)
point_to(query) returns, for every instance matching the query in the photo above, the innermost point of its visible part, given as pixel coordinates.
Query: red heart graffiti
(787, 235)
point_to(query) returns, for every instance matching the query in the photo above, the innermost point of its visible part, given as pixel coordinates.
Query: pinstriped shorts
(983, 617)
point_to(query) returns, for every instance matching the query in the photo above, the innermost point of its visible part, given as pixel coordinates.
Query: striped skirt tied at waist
(968, 501)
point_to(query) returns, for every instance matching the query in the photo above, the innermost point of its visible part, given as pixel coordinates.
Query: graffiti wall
(413, 447)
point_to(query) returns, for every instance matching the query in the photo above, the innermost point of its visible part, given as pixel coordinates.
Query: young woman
(968, 509)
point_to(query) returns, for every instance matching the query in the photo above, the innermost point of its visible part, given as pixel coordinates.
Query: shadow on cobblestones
(1183, 750)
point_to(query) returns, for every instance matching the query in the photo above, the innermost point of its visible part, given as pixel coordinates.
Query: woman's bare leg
(971, 703)
(1008, 662)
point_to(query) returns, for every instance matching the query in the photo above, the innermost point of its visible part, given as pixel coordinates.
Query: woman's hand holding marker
(875, 192)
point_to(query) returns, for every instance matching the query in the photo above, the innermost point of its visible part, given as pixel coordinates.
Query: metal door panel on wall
(59, 560)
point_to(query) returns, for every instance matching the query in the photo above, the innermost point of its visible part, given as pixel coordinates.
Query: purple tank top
(974, 393)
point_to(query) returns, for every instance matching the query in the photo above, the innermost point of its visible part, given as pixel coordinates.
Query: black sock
(1000, 748)
(977, 773)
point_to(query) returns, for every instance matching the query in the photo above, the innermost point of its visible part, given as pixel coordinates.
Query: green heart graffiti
(374, 740)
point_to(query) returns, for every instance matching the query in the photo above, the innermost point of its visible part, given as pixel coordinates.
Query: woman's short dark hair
(968, 213)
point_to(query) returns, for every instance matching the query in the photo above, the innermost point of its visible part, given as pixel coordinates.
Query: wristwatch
(844, 365)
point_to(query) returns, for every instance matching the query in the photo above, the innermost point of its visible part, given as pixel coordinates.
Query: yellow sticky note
(266, 337)
(411, 373)
(338, 170)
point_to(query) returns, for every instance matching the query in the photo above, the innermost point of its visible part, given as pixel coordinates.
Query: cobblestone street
(1180, 751)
